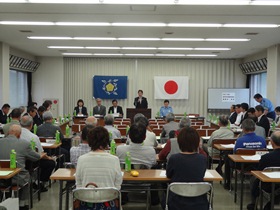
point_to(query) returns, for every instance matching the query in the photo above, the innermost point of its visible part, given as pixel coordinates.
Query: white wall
(256, 56)
(47, 81)
(21, 54)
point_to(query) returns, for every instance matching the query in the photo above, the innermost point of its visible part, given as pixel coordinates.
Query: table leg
(272, 195)
(67, 196)
(261, 196)
(241, 187)
(60, 194)
(235, 184)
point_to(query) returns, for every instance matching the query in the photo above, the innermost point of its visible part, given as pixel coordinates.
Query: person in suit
(233, 114)
(277, 119)
(262, 119)
(15, 115)
(23, 153)
(38, 119)
(47, 104)
(266, 104)
(244, 109)
(4, 113)
(115, 108)
(140, 102)
(80, 109)
(99, 108)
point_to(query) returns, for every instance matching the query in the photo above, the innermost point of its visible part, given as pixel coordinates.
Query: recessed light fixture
(108, 54)
(66, 47)
(226, 40)
(94, 38)
(183, 39)
(104, 48)
(194, 25)
(140, 24)
(50, 37)
(139, 48)
(30, 23)
(201, 55)
(80, 54)
(171, 55)
(174, 48)
(221, 49)
(139, 39)
(139, 54)
(251, 25)
(82, 24)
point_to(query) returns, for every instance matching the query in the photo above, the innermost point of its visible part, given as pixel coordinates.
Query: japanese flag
(171, 87)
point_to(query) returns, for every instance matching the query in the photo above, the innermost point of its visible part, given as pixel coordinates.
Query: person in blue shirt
(267, 105)
(164, 110)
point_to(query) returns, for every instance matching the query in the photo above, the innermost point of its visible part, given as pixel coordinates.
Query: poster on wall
(109, 87)
(228, 97)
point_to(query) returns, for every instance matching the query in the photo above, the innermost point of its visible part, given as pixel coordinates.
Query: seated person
(140, 154)
(91, 120)
(15, 115)
(239, 115)
(83, 148)
(251, 112)
(99, 166)
(49, 130)
(262, 119)
(115, 109)
(244, 110)
(47, 164)
(47, 104)
(259, 131)
(277, 119)
(109, 121)
(171, 125)
(151, 139)
(268, 160)
(99, 108)
(80, 109)
(166, 109)
(23, 153)
(233, 114)
(4, 113)
(187, 166)
(38, 119)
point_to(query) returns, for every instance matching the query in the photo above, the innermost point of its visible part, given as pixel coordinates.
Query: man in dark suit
(115, 108)
(268, 160)
(262, 119)
(99, 108)
(233, 114)
(140, 102)
(244, 109)
(3, 113)
(23, 153)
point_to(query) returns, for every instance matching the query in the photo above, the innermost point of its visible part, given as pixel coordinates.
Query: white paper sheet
(158, 137)
(5, 173)
(2, 135)
(269, 146)
(46, 144)
(252, 157)
(273, 175)
(228, 145)
(205, 137)
(163, 145)
(162, 174)
(122, 173)
(208, 175)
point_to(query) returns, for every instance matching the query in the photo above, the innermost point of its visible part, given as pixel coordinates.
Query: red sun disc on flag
(171, 87)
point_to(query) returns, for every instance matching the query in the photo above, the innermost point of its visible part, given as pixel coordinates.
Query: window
(18, 88)
(257, 85)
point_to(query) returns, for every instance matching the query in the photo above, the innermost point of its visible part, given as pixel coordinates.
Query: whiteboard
(224, 98)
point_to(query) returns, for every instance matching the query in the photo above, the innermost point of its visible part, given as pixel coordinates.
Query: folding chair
(95, 195)
(190, 189)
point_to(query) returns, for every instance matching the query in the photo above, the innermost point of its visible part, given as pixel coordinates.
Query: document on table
(5, 173)
(46, 144)
(228, 145)
(273, 175)
(162, 174)
(205, 137)
(252, 157)
(208, 175)
(269, 146)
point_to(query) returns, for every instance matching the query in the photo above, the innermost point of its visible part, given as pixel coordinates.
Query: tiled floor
(223, 200)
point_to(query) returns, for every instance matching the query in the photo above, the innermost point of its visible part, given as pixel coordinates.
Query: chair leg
(30, 194)
(148, 202)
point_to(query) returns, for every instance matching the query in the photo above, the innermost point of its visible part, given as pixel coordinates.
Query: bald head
(26, 122)
(275, 137)
(91, 121)
(15, 130)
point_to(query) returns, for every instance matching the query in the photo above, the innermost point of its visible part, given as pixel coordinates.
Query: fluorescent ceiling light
(173, 48)
(226, 40)
(139, 39)
(220, 49)
(201, 55)
(82, 24)
(108, 54)
(104, 48)
(139, 48)
(12, 1)
(171, 55)
(66, 47)
(194, 25)
(251, 25)
(26, 23)
(50, 37)
(265, 2)
(214, 2)
(182, 39)
(64, 1)
(140, 24)
(82, 54)
(139, 54)
(94, 38)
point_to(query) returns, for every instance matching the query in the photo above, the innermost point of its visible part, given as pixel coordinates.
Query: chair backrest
(157, 131)
(5, 163)
(76, 128)
(97, 195)
(210, 131)
(249, 151)
(122, 131)
(201, 132)
(224, 141)
(195, 126)
(189, 189)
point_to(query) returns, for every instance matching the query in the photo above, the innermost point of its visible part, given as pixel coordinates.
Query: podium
(131, 112)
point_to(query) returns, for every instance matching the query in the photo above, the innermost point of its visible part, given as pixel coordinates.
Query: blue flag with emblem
(110, 87)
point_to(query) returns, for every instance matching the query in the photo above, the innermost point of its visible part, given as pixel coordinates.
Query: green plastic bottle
(113, 147)
(75, 113)
(13, 159)
(127, 162)
(69, 116)
(273, 125)
(67, 131)
(111, 112)
(60, 119)
(35, 129)
(53, 121)
(8, 120)
(228, 125)
(185, 114)
(127, 129)
(57, 137)
(90, 113)
(158, 114)
(33, 145)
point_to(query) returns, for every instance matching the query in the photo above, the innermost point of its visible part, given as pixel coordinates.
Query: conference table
(8, 174)
(145, 175)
